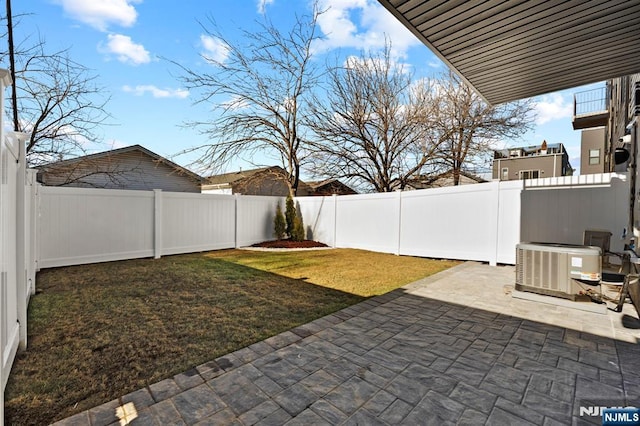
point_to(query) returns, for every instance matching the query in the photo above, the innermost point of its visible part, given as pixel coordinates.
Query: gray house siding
(548, 165)
(592, 142)
(620, 114)
(121, 170)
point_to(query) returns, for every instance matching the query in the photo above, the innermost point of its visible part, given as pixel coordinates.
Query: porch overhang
(517, 49)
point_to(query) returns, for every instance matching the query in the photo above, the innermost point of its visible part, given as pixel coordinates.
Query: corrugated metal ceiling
(514, 49)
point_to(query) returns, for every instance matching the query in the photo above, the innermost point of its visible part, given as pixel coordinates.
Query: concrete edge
(440, 275)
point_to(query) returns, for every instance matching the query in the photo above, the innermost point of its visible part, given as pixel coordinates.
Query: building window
(529, 174)
(505, 173)
(594, 156)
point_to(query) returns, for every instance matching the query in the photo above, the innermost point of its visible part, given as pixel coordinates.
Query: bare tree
(59, 105)
(59, 102)
(468, 127)
(373, 127)
(259, 91)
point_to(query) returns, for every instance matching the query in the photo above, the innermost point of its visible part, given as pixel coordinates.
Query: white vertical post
(495, 224)
(399, 222)
(335, 220)
(21, 241)
(157, 235)
(33, 261)
(37, 228)
(237, 221)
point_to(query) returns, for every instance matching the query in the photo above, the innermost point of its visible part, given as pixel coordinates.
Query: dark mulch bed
(290, 244)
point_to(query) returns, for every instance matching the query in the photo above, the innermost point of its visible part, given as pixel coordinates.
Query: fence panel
(80, 225)
(319, 215)
(197, 222)
(452, 222)
(368, 221)
(31, 209)
(255, 218)
(472, 222)
(561, 214)
(508, 221)
(9, 327)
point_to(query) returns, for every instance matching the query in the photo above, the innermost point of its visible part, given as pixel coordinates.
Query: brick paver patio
(454, 348)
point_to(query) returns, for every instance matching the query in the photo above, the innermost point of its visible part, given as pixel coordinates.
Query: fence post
(157, 213)
(495, 203)
(399, 222)
(21, 241)
(237, 210)
(335, 220)
(33, 226)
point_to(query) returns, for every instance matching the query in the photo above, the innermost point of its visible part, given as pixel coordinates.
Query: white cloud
(552, 107)
(116, 143)
(215, 50)
(100, 14)
(156, 92)
(235, 103)
(262, 5)
(126, 50)
(362, 24)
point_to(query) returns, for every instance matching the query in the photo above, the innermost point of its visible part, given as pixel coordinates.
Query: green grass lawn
(360, 272)
(100, 331)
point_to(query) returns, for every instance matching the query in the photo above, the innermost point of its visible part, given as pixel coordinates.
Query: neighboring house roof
(523, 151)
(442, 179)
(270, 181)
(227, 178)
(260, 181)
(330, 187)
(132, 167)
(112, 152)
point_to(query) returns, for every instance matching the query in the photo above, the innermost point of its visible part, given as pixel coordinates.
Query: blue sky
(127, 44)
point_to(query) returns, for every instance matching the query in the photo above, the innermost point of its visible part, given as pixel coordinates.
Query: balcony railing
(591, 108)
(590, 101)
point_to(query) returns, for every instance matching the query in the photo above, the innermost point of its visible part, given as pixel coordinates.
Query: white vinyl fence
(17, 244)
(9, 303)
(472, 222)
(482, 222)
(558, 210)
(80, 225)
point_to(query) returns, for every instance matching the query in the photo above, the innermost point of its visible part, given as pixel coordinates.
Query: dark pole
(12, 62)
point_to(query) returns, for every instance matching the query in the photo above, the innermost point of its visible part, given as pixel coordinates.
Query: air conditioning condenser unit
(561, 270)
